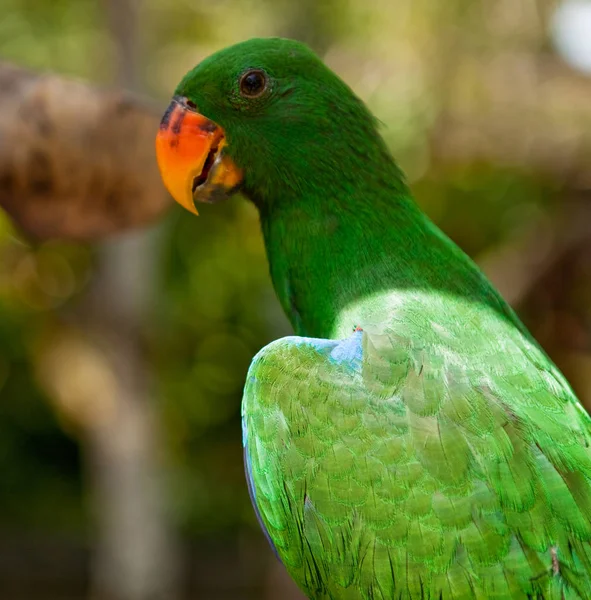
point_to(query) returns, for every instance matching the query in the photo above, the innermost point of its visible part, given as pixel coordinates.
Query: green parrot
(412, 440)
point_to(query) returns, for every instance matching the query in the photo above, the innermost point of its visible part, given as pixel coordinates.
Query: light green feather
(446, 480)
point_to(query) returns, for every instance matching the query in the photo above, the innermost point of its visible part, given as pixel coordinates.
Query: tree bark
(76, 162)
(136, 554)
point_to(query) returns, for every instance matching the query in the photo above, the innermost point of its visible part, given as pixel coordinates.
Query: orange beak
(193, 166)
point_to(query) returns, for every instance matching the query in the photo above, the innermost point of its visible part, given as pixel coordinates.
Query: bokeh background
(122, 360)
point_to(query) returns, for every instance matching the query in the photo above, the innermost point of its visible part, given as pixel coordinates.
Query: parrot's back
(418, 460)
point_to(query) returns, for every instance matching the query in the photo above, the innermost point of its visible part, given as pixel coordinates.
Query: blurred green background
(126, 482)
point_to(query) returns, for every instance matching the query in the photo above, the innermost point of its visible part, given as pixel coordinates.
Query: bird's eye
(253, 83)
(190, 104)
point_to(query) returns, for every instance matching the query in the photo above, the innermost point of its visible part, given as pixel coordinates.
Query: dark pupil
(253, 83)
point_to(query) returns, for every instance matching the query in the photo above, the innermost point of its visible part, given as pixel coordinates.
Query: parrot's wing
(382, 466)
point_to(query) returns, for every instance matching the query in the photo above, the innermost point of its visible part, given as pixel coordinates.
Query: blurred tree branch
(78, 163)
(136, 554)
(75, 161)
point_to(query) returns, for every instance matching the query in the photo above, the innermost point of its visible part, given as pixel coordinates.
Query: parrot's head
(267, 116)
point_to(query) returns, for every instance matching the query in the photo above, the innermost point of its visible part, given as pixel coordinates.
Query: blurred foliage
(216, 313)
(215, 307)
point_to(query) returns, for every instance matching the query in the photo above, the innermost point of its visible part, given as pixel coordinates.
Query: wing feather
(384, 466)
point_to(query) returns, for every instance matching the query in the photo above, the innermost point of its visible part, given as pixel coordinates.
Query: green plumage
(441, 478)
(436, 453)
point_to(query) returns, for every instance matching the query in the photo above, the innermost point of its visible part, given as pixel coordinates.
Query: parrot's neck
(326, 257)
